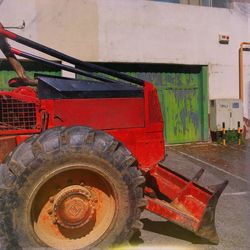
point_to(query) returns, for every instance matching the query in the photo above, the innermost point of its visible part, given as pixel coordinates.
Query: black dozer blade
(207, 229)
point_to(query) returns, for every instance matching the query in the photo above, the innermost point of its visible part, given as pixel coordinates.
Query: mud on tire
(88, 165)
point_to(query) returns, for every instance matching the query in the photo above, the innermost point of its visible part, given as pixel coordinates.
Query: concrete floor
(233, 209)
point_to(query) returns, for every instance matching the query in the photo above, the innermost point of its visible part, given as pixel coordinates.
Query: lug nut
(50, 211)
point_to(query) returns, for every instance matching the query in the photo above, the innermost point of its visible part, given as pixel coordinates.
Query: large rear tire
(70, 188)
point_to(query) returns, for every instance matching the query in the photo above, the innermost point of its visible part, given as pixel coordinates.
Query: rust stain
(7, 144)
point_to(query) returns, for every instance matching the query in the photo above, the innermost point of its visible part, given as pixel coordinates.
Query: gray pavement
(233, 209)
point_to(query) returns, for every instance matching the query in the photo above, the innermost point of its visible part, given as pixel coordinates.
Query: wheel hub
(73, 206)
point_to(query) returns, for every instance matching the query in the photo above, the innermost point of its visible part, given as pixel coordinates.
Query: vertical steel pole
(241, 72)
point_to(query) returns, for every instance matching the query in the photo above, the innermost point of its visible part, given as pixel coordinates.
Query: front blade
(207, 227)
(183, 201)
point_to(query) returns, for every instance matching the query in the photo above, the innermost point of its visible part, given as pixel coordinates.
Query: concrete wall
(141, 31)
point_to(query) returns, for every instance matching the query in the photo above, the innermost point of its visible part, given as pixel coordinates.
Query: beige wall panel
(69, 26)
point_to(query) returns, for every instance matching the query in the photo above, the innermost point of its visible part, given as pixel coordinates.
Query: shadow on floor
(169, 229)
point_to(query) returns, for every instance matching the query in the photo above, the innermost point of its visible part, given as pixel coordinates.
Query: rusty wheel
(73, 208)
(74, 188)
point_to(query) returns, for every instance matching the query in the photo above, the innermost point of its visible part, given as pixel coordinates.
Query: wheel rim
(72, 209)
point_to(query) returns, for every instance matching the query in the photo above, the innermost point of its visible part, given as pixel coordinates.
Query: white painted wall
(141, 31)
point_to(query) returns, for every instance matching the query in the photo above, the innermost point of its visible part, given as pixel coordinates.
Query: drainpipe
(241, 64)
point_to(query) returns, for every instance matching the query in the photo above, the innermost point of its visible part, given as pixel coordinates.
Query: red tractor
(81, 159)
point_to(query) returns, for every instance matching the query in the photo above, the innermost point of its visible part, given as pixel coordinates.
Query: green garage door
(183, 95)
(31, 68)
(184, 103)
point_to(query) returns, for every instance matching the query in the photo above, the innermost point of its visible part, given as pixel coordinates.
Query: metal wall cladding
(183, 97)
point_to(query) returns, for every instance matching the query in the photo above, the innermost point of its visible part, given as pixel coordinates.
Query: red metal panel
(192, 200)
(175, 186)
(152, 105)
(105, 113)
(172, 213)
(145, 144)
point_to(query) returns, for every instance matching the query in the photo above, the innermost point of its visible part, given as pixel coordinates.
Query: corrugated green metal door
(6, 72)
(182, 92)
(183, 98)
